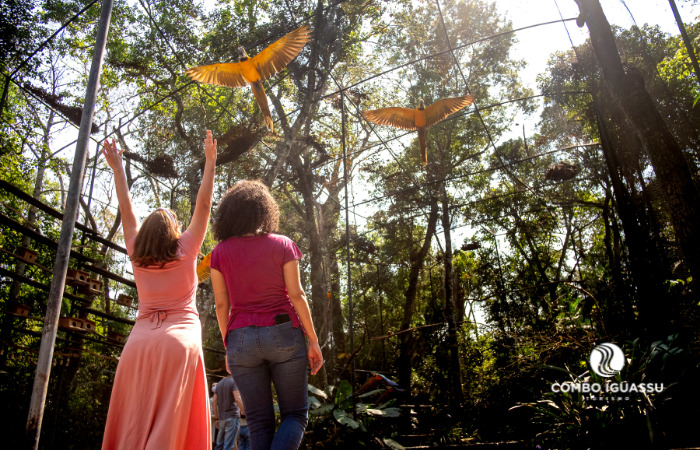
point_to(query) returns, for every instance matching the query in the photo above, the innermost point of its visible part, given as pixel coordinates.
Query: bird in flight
(420, 118)
(254, 70)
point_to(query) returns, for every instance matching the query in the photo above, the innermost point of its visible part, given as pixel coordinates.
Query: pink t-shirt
(172, 287)
(252, 269)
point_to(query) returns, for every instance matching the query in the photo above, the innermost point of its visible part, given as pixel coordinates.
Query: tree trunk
(417, 259)
(647, 271)
(680, 193)
(455, 375)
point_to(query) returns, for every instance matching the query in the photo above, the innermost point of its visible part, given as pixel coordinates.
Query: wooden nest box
(76, 277)
(125, 300)
(118, 338)
(94, 287)
(18, 309)
(71, 323)
(471, 246)
(89, 325)
(27, 255)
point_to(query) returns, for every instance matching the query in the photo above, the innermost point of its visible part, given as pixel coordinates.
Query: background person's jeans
(258, 356)
(244, 438)
(228, 432)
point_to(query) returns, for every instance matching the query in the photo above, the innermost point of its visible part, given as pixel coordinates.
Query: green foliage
(575, 419)
(335, 421)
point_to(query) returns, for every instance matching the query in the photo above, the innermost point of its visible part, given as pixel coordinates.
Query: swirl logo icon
(607, 359)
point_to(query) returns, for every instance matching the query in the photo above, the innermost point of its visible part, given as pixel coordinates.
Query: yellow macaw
(255, 70)
(420, 118)
(204, 269)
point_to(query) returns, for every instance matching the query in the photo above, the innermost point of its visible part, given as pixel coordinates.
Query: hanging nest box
(561, 171)
(125, 300)
(70, 324)
(27, 255)
(76, 277)
(115, 337)
(89, 325)
(94, 287)
(18, 309)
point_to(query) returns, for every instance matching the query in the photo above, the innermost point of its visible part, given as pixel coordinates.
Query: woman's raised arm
(114, 159)
(200, 218)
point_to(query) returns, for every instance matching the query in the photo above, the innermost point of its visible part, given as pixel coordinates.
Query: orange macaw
(420, 118)
(255, 70)
(204, 269)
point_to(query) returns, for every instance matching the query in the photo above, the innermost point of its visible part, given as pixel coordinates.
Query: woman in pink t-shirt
(261, 309)
(159, 398)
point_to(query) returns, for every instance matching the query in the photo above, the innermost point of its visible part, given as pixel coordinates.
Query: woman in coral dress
(159, 398)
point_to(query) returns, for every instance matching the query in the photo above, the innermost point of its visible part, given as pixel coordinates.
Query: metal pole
(347, 247)
(686, 39)
(53, 308)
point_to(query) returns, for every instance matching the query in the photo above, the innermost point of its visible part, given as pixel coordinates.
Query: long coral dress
(159, 398)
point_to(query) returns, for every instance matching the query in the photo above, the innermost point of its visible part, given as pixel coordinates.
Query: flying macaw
(420, 118)
(254, 70)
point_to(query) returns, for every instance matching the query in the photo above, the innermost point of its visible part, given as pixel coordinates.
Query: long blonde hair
(156, 241)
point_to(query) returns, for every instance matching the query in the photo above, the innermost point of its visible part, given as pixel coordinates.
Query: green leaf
(314, 403)
(323, 409)
(393, 444)
(343, 397)
(345, 419)
(316, 391)
(388, 412)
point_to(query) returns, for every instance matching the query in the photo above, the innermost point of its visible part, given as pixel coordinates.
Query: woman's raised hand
(112, 155)
(315, 357)
(209, 146)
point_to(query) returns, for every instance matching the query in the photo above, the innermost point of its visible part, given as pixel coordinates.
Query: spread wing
(224, 74)
(278, 54)
(396, 117)
(443, 108)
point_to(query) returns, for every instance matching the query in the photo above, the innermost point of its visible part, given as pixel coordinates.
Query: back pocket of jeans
(285, 337)
(234, 343)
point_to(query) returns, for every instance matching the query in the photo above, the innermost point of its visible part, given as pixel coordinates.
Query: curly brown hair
(156, 241)
(248, 207)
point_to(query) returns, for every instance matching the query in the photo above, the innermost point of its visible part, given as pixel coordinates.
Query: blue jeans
(258, 356)
(244, 438)
(228, 431)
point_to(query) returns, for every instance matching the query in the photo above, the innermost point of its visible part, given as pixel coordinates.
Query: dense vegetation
(549, 260)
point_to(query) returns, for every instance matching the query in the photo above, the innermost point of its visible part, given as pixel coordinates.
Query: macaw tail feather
(261, 98)
(423, 146)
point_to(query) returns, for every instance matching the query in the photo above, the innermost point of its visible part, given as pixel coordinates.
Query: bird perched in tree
(255, 70)
(420, 118)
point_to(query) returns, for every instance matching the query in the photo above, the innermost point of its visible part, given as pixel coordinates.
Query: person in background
(212, 402)
(261, 309)
(159, 398)
(244, 434)
(227, 405)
